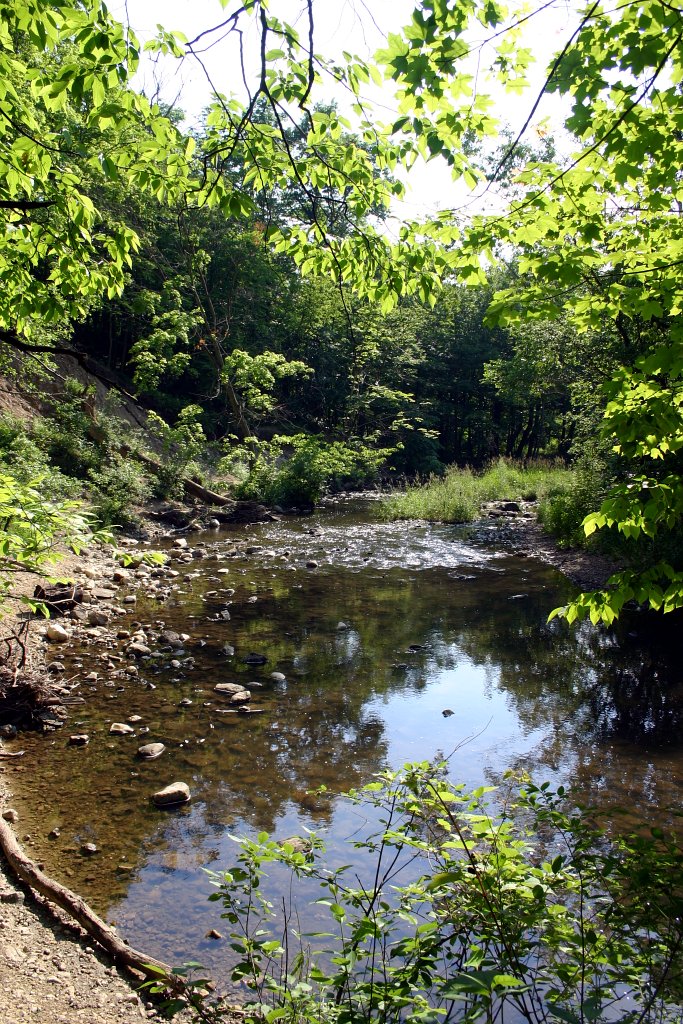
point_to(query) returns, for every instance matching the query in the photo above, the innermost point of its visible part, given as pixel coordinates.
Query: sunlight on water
(397, 642)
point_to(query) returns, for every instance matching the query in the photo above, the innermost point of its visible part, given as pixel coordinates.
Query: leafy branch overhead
(592, 239)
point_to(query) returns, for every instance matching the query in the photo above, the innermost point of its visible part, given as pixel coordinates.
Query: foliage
(33, 528)
(297, 470)
(460, 494)
(181, 445)
(468, 906)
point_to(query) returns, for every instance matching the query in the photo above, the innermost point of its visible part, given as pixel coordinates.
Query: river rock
(342, 627)
(121, 729)
(103, 595)
(150, 751)
(180, 543)
(241, 697)
(172, 795)
(255, 659)
(56, 634)
(214, 524)
(311, 564)
(98, 617)
(228, 688)
(89, 849)
(138, 649)
(11, 815)
(278, 677)
(297, 843)
(79, 739)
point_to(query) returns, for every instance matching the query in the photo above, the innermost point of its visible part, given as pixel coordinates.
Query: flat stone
(79, 739)
(121, 729)
(228, 688)
(103, 595)
(172, 795)
(150, 751)
(138, 650)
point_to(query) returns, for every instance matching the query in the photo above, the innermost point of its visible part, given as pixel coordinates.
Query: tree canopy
(595, 236)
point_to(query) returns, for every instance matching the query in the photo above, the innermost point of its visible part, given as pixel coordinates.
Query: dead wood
(28, 871)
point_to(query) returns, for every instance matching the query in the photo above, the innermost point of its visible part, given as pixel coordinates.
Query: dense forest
(246, 282)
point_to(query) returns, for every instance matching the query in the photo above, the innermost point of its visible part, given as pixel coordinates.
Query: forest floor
(51, 971)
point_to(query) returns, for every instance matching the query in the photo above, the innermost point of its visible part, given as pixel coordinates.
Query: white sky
(358, 26)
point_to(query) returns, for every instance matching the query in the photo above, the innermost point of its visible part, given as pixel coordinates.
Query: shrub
(298, 470)
(115, 490)
(469, 908)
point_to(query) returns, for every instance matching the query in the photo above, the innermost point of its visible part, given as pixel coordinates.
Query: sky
(357, 26)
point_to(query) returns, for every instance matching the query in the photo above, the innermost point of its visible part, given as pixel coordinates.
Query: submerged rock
(150, 751)
(255, 659)
(172, 795)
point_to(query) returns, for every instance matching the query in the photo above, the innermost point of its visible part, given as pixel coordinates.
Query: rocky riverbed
(50, 969)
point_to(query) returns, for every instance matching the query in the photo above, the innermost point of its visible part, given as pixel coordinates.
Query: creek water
(397, 624)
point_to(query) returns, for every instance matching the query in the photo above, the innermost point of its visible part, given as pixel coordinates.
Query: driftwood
(13, 753)
(26, 869)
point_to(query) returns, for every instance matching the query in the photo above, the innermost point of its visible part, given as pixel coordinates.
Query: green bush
(299, 470)
(115, 490)
(469, 907)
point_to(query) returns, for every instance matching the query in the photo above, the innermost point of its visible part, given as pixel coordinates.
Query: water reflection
(397, 624)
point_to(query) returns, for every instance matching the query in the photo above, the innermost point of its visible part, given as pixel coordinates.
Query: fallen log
(231, 511)
(29, 872)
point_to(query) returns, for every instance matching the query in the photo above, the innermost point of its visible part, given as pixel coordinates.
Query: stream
(398, 642)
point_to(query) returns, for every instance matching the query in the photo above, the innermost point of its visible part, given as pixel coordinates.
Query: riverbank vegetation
(460, 495)
(468, 906)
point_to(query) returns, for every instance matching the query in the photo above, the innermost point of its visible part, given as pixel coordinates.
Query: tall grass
(459, 495)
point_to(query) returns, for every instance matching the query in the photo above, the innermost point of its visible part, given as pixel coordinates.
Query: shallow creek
(395, 625)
